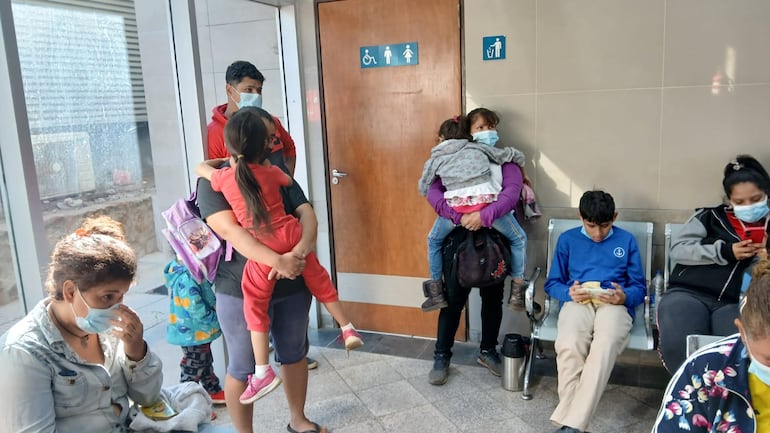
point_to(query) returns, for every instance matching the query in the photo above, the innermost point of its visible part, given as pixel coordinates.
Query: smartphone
(756, 234)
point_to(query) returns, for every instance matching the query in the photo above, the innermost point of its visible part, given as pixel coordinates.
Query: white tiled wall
(648, 100)
(617, 94)
(230, 30)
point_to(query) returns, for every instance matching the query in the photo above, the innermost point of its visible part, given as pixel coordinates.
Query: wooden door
(380, 124)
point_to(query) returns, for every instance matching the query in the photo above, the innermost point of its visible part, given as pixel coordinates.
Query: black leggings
(683, 312)
(449, 317)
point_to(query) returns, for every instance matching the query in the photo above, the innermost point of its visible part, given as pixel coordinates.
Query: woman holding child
(712, 251)
(480, 125)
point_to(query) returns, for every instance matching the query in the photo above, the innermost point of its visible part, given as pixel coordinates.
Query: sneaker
(258, 388)
(440, 372)
(516, 298)
(352, 339)
(217, 397)
(312, 364)
(491, 360)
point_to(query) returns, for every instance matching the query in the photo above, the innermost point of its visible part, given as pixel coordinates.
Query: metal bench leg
(525, 394)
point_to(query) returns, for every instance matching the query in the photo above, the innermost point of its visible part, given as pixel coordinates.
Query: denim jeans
(506, 225)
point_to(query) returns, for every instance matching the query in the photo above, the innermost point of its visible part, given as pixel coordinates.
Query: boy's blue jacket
(710, 392)
(615, 259)
(192, 318)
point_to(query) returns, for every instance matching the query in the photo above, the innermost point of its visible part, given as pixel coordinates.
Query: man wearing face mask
(712, 251)
(244, 89)
(725, 386)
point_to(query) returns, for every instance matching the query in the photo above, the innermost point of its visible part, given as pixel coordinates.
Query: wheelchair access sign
(380, 56)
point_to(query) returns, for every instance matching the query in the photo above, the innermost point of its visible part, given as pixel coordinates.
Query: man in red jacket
(244, 89)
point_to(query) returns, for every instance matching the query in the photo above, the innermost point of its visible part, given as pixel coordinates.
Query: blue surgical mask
(488, 137)
(758, 369)
(249, 100)
(97, 320)
(751, 213)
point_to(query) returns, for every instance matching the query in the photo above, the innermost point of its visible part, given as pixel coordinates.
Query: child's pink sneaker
(352, 339)
(257, 388)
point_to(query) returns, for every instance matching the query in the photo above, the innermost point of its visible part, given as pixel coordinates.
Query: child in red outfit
(251, 186)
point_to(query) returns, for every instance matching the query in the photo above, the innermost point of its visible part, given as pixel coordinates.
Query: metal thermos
(514, 360)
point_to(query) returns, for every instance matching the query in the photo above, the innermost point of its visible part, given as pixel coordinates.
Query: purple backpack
(192, 240)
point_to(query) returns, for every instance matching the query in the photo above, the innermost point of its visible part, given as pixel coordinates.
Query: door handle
(337, 175)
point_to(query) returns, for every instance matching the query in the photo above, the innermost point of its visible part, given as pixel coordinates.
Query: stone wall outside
(137, 217)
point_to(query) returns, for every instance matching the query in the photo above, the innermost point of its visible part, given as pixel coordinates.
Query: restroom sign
(494, 47)
(381, 56)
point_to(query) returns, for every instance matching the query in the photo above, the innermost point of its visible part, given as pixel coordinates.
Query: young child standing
(193, 325)
(252, 188)
(472, 175)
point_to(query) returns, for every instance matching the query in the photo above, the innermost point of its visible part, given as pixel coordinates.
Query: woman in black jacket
(712, 251)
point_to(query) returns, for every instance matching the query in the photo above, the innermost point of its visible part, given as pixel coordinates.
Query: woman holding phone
(712, 251)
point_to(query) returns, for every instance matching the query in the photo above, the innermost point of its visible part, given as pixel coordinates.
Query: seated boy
(591, 333)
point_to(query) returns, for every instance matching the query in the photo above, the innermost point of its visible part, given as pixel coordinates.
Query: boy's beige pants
(589, 339)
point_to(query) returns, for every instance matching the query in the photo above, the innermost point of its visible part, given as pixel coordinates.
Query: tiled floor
(384, 387)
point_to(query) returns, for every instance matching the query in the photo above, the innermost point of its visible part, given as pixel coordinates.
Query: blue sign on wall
(379, 56)
(494, 47)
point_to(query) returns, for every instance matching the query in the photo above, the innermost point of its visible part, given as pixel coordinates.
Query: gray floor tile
(325, 383)
(370, 426)
(651, 397)
(392, 397)
(339, 411)
(640, 427)
(338, 358)
(371, 374)
(418, 419)
(543, 403)
(409, 367)
(510, 425)
(458, 385)
(480, 376)
(472, 409)
(617, 409)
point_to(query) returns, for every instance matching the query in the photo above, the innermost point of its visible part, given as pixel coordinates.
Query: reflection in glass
(10, 306)
(83, 88)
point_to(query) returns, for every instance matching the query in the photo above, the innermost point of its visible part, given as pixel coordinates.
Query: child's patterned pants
(197, 366)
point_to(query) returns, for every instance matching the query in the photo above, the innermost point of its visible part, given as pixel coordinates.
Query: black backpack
(479, 258)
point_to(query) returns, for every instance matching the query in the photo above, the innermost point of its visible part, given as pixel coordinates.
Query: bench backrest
(671, 230)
